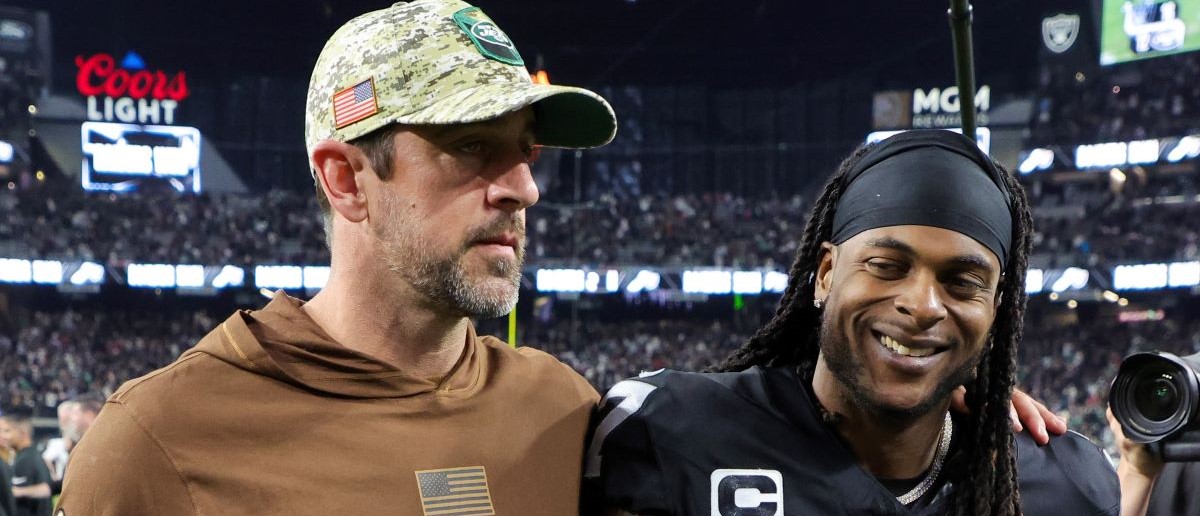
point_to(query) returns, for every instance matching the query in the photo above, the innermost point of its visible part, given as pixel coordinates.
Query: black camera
(1156, 398)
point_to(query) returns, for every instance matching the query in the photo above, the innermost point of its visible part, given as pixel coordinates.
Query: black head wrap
(927, 178)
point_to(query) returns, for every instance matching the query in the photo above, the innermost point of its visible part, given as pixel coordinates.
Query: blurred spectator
(31, 479)
(8, 505)
(75, 417)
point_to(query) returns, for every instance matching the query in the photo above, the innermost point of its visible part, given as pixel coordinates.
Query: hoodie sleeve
(119, 468)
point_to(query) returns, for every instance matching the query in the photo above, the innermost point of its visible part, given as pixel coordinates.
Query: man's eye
(966, 284)
(885, 268)
(475, 147)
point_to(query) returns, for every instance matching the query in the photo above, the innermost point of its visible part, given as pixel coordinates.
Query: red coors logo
(99, 75)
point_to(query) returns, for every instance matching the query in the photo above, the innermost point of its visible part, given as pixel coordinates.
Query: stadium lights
(150, 275)
(1122, 302)
(559, 280)
(1033, 281)
(747, 282)
(644, 281)
(6, 152)
(1038, 159)
(1140, 277)
(1187, 148)
(983, 137)
(775, 282)
(189, 276)
(278, 276)
(612, 281)
(88, 273)
(1054, 296)
(15, 271)
(1143, 152)
(1072, 304)
(1098, 155)
(229, 276)
(315, 277)
(1073, 278)
(47, 272)
(1111, 296)
(707, 282)
(1183, 274)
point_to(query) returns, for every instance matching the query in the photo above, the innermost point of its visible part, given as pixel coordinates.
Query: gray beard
(847, 368)
(442, 281)
(445, 283)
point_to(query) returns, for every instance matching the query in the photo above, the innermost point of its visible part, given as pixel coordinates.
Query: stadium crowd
(1089, 223)
(60, 221)
(1106, 223)
(49, 357)
(1146, 99)
(1071, 365)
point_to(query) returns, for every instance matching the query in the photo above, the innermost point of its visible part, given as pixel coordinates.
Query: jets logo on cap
(489, 32)
(492, 42)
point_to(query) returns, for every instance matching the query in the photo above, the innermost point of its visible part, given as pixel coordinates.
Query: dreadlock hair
(792, 337)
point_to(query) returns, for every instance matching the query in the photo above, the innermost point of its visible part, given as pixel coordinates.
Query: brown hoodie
(266, 415)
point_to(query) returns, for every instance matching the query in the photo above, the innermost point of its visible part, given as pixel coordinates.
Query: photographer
(1150, 487)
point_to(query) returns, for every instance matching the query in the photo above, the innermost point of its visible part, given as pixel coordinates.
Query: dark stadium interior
(731, 117)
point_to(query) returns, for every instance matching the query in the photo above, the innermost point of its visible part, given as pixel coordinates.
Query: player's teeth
(901, 349)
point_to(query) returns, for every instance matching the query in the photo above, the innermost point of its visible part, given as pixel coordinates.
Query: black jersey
(753, 444)
(7, 503)
(30, 470)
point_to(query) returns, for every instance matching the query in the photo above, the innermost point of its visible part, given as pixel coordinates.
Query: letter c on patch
(746, 492)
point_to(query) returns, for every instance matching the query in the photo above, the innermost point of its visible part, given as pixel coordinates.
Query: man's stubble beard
(443, 280)
(847, 369)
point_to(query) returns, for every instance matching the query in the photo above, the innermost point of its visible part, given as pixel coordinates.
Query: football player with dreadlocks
(908, 283)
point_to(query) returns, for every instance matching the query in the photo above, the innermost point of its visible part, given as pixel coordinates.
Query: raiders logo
(1059, 32)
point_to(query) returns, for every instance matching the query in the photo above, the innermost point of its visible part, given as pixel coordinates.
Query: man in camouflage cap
(377, 396)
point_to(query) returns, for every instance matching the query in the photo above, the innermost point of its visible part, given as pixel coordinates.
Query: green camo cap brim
(566, 117)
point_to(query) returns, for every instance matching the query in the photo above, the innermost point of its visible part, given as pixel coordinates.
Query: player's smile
(908, 355)
(908, 313)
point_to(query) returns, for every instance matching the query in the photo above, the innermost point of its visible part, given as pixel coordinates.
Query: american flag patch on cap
(455, 492)
(354, 103)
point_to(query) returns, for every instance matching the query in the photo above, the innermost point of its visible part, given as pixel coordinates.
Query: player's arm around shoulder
(121, 468)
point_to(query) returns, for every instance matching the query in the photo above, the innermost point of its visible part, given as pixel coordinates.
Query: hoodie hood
(280, 341)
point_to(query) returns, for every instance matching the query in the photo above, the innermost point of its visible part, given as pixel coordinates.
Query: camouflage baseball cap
(439, 62)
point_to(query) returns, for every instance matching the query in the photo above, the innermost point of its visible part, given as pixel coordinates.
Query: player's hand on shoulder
(1024, 411)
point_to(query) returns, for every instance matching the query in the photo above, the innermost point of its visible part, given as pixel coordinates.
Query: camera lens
(1157, 398)
(1156, 395)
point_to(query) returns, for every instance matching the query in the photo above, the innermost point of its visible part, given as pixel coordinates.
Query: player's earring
(818, 302)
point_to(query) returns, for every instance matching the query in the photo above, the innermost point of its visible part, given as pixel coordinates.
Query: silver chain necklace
(942, 451)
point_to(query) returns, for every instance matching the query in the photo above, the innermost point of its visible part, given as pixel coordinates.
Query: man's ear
(337, 165)
(824, 279)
